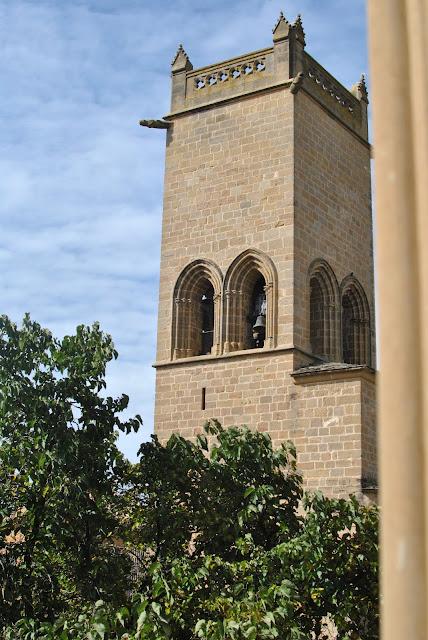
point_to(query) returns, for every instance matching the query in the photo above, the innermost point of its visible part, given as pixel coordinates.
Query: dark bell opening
(258, 314)
(207, 328)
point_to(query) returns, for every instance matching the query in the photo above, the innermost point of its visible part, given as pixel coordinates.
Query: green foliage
(239, 551)
(226, 544)
(59, 471)
(185, 493)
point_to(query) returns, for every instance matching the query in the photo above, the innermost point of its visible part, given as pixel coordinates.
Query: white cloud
(81, 183)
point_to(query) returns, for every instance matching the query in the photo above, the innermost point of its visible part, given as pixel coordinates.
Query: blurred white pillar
(398, 57)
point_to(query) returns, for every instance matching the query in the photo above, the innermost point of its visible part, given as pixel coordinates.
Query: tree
(238, 550)
(194, 499)
(60, 471)
(226, 544)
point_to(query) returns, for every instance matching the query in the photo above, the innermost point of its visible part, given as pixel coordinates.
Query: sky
(81, 182)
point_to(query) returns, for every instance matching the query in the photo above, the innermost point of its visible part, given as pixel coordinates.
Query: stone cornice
(222, 99)
(275, 87)
(286, 63)
(333, 372)
(246, 353)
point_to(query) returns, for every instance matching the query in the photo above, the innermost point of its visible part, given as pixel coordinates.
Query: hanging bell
(260, 323)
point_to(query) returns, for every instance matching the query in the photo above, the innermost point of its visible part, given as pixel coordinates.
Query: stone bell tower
(266, 307)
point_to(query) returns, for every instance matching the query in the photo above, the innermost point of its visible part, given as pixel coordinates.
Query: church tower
(266, 307)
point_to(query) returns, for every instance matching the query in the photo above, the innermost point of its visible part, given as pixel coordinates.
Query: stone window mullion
(227, 322)
(188, 328)
(242, 305)
(270, 317)
(178, 339)
(216, 348)
(325, 326)
(355, 338)
(331, 347)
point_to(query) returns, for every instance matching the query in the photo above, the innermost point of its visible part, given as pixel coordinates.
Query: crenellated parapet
(285, 64)
(238, 70)
(350, 107)
(243, 74)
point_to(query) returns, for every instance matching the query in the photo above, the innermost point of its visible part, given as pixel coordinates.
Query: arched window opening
(355, 325)
(250, 301)
(317, 319)
(207, 320)
(324, 311)
(201, 318)
(257, 316)
(349, 326)
(197, 307)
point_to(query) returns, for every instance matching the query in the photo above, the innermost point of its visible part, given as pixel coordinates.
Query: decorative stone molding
(348, 106)
(359, 89)
(297, 27)
(230, 73)
(240, 75)
(181, 61)
(281, 29)
(333, 371)
(331, 88)
(234, 355)
(180, 67)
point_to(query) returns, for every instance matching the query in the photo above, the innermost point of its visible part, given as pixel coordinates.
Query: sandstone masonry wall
(229, 187)
(333, 218)
(268, 152)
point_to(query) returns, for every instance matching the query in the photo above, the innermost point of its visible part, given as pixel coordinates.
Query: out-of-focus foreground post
(398, 52)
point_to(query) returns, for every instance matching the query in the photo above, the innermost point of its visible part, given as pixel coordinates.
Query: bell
(260, 322)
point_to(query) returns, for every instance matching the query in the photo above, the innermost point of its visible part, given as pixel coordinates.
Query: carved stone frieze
(230, 73)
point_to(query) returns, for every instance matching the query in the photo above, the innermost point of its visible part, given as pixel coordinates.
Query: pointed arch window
(250, 302)
(323, 311)
(197, 308)
(356, 342)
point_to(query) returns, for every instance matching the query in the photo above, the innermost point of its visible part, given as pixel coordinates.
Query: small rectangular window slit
(204, 393)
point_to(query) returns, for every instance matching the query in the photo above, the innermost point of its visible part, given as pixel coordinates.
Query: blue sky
(81, 182)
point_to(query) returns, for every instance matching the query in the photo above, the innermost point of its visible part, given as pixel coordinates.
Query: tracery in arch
(250, 302)
(197, 310)
(324, 307)
(356, 344)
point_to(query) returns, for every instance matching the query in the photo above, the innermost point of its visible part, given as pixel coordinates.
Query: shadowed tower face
(266, 310)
